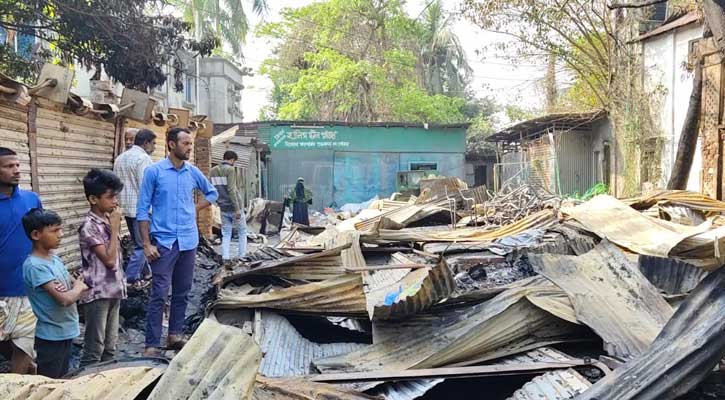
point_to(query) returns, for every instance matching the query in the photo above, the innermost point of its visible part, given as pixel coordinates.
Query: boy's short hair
(99, 181)
(37, 219)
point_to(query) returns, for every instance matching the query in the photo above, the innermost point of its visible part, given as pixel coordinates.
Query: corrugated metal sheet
(683, 198)
(417, 291)
(670, 275)
(540, 219)
(69, 146)
(610, 218)
(342, 295)
(228, 141)
(301, 389)
(542, 163)
(610, 296)
(574, 162)
(115, 384)
(409, 390)
(14, 135)
(218, 362)
(554, 385)
(405, 390)
(287, 353)
(684, 353)
(433, 340)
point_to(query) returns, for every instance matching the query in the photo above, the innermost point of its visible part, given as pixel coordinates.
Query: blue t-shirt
(55, 322)
(14, 243)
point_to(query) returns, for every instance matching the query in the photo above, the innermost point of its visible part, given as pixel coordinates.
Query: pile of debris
(542, 298)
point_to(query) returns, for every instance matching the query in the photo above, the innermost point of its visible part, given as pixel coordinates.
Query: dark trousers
(53, 357)
(137, 264)
(173, 269)
(101, 330)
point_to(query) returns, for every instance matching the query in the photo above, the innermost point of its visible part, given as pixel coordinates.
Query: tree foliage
(353, 60)
(132, 39)
(225, 19)
(583, 34)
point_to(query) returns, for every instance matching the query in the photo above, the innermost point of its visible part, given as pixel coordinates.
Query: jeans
(137, 261)
(173, 269)
(101, 330)
(53, 357)
(228, 223)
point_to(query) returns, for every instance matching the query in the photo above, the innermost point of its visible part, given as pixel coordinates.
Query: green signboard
(378, 139)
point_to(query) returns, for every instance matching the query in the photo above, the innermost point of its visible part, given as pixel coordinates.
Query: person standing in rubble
(17, 320)
(129, 167)
(170, 235)
(299, 199)
(231, 205)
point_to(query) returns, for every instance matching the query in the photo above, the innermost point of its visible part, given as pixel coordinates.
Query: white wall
(664, 56)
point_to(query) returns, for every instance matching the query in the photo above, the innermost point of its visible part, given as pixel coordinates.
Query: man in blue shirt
(170, 235)
(17, 321)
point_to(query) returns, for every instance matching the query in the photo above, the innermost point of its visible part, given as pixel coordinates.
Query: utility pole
(550, 83)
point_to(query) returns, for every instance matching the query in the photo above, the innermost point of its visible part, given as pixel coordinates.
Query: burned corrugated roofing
(431, 340)
(115, 384)
(561, 384)
(670, 275)
(609, 295)
(218, 362)
(287, 353)
(342, 296)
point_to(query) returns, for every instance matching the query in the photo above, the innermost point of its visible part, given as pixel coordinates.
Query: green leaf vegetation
(133, 40)
(366, 60)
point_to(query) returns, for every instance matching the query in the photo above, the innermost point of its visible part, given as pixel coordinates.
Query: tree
(445, 65)
(352, 60)
(131, 45)
(226, 19)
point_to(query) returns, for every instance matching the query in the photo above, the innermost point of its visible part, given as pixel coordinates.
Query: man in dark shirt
(17, 321)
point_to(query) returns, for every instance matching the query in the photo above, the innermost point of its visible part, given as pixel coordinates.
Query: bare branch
(641, 4)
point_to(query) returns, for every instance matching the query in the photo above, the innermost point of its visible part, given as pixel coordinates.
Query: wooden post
(33, 145)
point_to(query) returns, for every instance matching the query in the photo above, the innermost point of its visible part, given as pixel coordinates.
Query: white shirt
(129, 167)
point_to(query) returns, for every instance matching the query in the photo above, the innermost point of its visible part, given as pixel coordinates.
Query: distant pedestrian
(129, 167)
(170, 235)
(101, 266)
(17, 321)
(52, 292)
(300, 198)
(129, 137)
(231, 205)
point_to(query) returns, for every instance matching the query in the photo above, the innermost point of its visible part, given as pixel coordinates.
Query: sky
(493, 75)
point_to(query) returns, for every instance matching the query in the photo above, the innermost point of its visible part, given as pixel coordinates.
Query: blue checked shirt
(170, 192)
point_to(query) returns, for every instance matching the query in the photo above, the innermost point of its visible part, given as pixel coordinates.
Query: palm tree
(226, 19)
(445, 68)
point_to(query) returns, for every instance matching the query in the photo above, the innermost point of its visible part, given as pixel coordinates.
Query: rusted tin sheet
(287, 353)
(540, 219)
(685, 352)
(115, 384)
(670, 275)
(561, 384)
(301, 389)
(609, 295)
(68, 146)
(218, 362)
(682, 198)
(342, 296)
(415, 292)
(612, 219)
(438, 339)
(312, 267)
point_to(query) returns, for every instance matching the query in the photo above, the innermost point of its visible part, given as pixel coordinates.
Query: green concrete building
(351, 162)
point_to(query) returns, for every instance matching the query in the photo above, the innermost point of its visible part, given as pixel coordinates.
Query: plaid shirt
(103, 282)
(129, 167)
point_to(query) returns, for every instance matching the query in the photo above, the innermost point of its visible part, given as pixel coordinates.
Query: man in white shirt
(129, 167)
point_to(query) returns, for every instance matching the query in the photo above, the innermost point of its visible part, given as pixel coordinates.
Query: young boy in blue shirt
(52, 293)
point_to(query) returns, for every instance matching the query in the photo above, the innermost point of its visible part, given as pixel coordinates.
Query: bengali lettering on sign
(307, 139)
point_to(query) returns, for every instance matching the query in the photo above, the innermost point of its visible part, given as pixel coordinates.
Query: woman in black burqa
(300, 198)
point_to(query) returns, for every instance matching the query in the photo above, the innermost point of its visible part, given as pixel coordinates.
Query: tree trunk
(550, 83)
(688, 136)
(714, 12)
